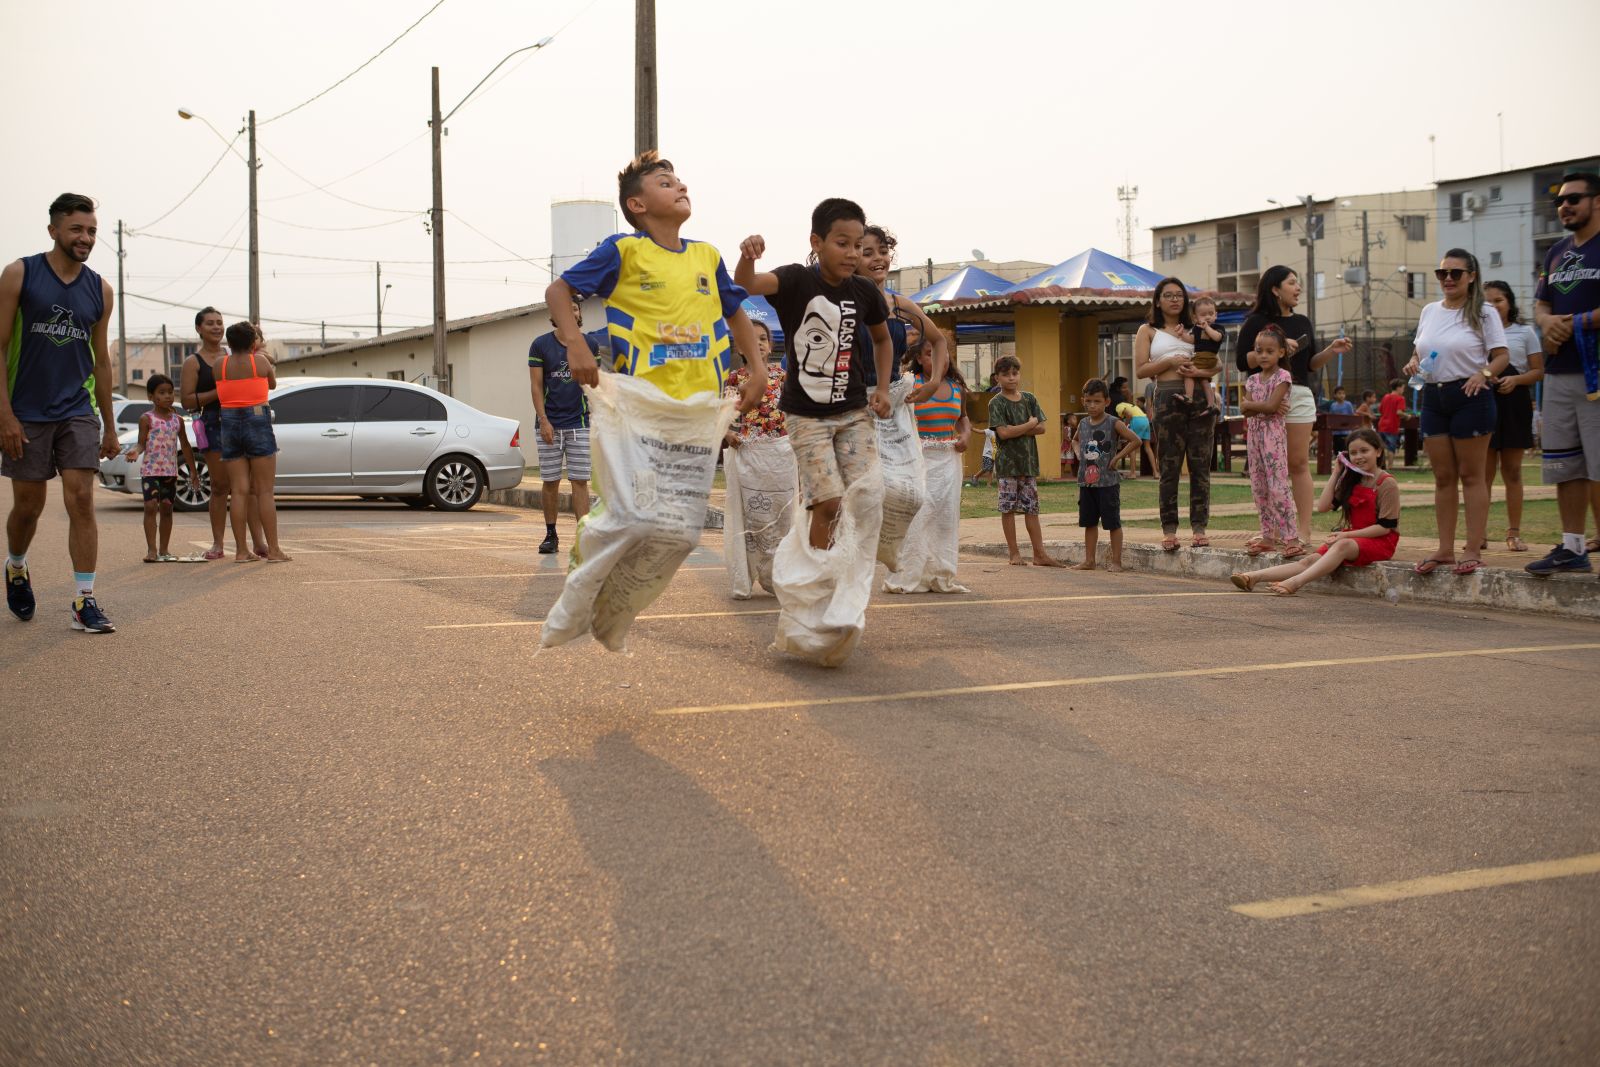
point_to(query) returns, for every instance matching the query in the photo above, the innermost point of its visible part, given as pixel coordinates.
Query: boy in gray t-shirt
(1099, 484)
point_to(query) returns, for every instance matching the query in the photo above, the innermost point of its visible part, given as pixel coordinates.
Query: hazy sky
(1003, 127)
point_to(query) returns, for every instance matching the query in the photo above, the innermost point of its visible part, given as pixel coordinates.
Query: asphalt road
(317, 813)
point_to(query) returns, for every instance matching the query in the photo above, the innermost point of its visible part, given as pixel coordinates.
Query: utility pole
(1127, 194)
(1366, 287)
(166, 364)
(440, 363)
(255, 244)
(324, 334)
(644, 76)
(380, 298)
(122, 320)
(1311, 265)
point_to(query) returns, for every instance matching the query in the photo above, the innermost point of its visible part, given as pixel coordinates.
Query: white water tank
(576, 227)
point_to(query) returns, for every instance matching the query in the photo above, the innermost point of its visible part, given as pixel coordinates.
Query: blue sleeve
(537, 356)
(597, 274)
(732, 295)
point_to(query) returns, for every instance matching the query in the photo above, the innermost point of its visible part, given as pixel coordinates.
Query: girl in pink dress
(1267, 444)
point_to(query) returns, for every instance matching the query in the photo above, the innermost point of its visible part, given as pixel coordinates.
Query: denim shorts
(247, 433)
(1448, 411)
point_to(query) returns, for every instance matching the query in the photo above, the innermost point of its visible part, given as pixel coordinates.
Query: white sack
(761, 500)
(900, 453)
(928, 556)
(823, 594)
(654, 458)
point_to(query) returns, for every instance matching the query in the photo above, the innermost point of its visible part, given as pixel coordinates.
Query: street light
(436, 123)
(250, 163)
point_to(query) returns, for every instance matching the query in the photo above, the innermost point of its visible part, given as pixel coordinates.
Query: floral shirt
(766, 420)
(160, 458)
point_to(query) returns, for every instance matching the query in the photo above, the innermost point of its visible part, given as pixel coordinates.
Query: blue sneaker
(87, 616)
(1560, 560)
(19, 593)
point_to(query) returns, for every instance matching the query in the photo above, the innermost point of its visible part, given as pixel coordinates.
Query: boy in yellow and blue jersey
(670, 306)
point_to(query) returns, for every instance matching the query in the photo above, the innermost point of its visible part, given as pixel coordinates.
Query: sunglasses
(1570, 200)
(1452, 273)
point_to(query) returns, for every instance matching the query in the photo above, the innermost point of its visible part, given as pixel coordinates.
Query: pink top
(160, 458)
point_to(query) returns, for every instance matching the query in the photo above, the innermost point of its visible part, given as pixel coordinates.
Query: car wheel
(194, 492)
(413, 501)
(454, 483)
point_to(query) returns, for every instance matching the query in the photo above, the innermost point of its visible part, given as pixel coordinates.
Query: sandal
(1294, 550)
(1466, 567)
(1515, 543)
(1279, 589)
(1169, 544)
(1247, 582)
(1429, 565)
(213, 553)
(1592, 545)
(1200, 541)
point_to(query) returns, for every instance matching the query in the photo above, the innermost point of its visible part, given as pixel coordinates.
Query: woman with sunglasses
(1163, 351)
(1277, 295)
(1460, 349)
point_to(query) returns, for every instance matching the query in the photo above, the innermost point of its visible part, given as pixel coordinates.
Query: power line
(203, 179)
(330, 259)
(241, 315)
(497, 244)
(358, 70)
(347, 229)
(326, 192)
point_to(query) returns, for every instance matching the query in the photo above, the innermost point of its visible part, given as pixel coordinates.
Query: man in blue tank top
(55, 404)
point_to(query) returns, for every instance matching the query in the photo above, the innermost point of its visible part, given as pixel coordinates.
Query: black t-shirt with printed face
(823, 326)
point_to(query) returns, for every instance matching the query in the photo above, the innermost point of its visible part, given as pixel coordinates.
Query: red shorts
(1370, 550)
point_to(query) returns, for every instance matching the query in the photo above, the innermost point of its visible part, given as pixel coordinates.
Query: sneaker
(87, 616)
(550, 543)
(1560, 559)
(19, 593)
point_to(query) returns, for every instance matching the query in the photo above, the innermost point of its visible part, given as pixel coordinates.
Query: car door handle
(334, 433)
(423, 432)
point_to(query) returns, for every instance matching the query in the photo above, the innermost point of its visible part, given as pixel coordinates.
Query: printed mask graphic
(816, 349)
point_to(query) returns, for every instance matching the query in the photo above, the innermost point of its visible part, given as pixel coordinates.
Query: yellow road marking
(950, 602)
(466, 577)
(1109, 679)
(1385, 892)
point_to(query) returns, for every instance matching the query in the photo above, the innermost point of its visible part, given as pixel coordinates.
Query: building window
(1494, 192)
(1495, 260)
(1287, 225)
(1169, 248)
(138, 374)
(1322, 285)
(397, 376)
(1416, 227)
(1456, 214)
(1416, 286)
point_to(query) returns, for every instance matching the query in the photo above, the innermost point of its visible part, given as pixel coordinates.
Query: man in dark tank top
(55, 401)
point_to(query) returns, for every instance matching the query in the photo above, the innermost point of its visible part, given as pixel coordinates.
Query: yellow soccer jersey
(667, 312)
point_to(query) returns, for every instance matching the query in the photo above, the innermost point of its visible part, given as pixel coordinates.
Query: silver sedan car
(373, 438)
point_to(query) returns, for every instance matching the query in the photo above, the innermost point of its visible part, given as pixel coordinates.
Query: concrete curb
(533, 499)
(1572, 596)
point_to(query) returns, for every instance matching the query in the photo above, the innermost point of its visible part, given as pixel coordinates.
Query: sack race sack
(823, 594)
(900, 454)
(932, 545)
(653, 459)
(760, 475)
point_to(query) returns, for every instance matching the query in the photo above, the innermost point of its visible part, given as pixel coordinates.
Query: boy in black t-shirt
(824, 308)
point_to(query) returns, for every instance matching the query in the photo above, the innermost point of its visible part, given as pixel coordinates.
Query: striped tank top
(938, 418)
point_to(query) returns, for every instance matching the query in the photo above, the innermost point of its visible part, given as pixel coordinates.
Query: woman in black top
(1276, 298)
(198, 389)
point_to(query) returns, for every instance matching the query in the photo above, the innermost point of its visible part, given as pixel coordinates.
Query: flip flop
(1201, 541)
(1169, 544)
(166, 557)
(1467, 566)
(1243, 581)
(1294, 551)
(1258, 548)
(1515, 543)
(213, 553)
(1429, 565)
(156, 560)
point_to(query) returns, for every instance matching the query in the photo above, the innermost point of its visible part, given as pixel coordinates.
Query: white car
(372, 438)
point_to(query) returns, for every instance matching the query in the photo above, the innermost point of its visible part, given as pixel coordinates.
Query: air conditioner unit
(1474, 202)
(1180, 249)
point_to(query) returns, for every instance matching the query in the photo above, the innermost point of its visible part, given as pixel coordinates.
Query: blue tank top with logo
(50, 362)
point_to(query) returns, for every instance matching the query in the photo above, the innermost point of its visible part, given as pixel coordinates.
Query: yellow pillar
(1041, 348)
(1080, 347)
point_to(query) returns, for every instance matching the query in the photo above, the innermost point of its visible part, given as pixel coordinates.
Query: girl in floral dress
(1267, 444)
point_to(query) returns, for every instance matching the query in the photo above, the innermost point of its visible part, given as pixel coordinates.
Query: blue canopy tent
(1093, 269)
(757, 308)
(964, 283)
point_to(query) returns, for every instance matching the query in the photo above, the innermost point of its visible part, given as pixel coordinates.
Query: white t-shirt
(988, 444)
(1461, 352)
(1521, 339)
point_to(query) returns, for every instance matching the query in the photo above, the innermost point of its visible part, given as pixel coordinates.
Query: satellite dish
(977, 253)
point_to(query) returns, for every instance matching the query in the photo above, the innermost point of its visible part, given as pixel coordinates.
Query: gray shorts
(71, 444)
(1570, 437)
(571, 447)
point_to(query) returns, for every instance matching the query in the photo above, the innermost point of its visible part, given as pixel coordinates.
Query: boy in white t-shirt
(988, 459)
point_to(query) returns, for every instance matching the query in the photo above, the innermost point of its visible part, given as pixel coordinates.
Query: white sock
(17, 563)
(85, 580)
(1572, 543)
